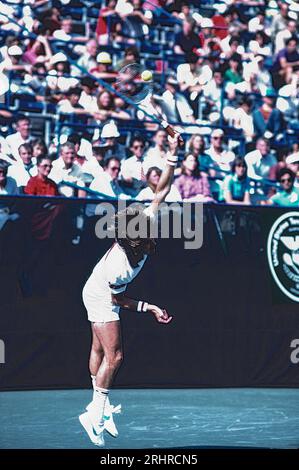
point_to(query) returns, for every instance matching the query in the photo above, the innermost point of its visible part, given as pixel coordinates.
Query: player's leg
(96, 357)
(108, 338)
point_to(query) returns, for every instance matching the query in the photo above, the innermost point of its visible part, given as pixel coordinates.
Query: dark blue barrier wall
(233, 324)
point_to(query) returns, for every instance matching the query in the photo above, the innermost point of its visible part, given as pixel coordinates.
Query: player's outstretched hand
(175, 142)
(160, 315)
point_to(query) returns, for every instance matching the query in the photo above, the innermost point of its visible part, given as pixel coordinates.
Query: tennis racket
(130, 82)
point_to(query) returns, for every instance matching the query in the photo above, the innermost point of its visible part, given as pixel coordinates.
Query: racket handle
(171, 132)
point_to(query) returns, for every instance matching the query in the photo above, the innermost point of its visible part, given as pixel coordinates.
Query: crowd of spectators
(226, 74)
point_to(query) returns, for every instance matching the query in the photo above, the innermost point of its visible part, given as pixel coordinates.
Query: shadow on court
(188, 418)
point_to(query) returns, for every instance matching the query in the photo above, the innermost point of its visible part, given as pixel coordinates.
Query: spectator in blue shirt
(236, 185)
(287, 195)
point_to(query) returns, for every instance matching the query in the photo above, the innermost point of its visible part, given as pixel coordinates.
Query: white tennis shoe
(95, 435)
(109, 424)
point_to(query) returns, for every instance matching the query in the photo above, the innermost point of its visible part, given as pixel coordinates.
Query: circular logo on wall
(283, 254)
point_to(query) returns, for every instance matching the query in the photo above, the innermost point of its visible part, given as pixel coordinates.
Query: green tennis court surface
(165, 418)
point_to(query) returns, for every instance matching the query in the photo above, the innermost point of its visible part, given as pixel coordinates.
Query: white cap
(197, 17)
(109, 130)
(59, 57)
(14, 50)
(293, 158)
(206, 23)
(104, 58)
(123, 7)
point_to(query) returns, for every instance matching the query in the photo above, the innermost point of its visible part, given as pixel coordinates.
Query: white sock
(93, 381)
(107, 403)
(100, 398)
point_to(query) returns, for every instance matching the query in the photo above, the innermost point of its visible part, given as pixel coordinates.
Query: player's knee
(96, 350)
(115, 360)
(118, 358)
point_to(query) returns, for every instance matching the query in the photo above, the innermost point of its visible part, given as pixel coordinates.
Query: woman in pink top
(192, 185)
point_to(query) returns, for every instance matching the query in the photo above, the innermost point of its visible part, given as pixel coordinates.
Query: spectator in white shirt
(22, 136)
(220, 163)
(156, 155)
(88, 99)
(242, 118)
(175, 105)
(88, 59)
(23, 169)
(260, 45)
(88, 164)
(282, 36)
(70, 105)
(65, 33)
(212, 91)
(107, 183)
(260, 161)
(132, 170)
(5, 151)
(153, 177)
(64, 169)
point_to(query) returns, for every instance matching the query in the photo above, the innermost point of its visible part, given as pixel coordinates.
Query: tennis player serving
(104, 295)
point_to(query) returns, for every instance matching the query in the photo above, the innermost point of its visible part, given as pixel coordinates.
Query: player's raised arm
(166, 179)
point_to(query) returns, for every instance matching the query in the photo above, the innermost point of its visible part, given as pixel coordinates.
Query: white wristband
(172, 160)
(142, 306)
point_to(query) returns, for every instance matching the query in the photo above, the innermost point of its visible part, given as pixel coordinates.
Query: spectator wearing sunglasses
(108, 183)
(133, 169)
(287, 194)
(219, 161)
(41, 185)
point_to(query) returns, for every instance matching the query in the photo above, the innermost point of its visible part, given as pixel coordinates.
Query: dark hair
(286, 171)
(132, 50)
(236, 57)
(151, 169)
(245, 100)
(266, 39)
(74, 139)
(196, 172)
(66, 67)
(21, 117)
(137, 138)
(191, 145)
(111, 100)
(148, 174)
(113, 157)
(74, 91)
(3, 165)
(134, 247)
(41, 158)
(292, 38)
(89, 82)
(235, 38)
(239, 161)
(37, 66)
(41, 143)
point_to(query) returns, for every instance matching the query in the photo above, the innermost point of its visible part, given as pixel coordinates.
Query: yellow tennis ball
(146, 75)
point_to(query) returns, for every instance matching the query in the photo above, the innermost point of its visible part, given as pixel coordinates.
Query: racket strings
(130, 83)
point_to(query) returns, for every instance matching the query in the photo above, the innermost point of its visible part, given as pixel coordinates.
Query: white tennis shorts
(99, 306)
